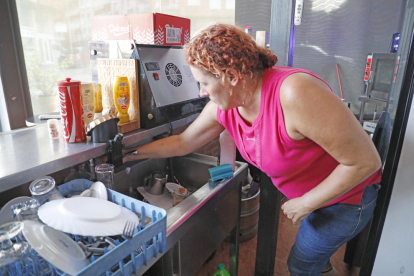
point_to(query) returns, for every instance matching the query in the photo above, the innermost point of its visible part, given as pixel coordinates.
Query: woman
(288, 123)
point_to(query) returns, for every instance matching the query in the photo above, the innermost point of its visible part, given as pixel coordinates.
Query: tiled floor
(247, 254)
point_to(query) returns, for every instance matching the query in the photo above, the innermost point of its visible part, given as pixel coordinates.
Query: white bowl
(98, 190)
(171, 186)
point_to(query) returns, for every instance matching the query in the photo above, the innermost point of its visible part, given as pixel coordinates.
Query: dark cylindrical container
(103, 128)
(249, 217)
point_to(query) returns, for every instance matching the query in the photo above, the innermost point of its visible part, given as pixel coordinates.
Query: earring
(217, 76)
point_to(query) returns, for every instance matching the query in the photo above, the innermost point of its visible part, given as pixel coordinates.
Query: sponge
(220, 172)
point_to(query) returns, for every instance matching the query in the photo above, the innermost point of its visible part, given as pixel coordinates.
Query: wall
(396, 248)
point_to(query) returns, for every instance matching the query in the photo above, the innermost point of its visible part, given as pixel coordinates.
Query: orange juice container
(88, 102)
(97, 89)
(122, 98)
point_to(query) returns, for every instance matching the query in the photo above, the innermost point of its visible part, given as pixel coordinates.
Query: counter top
(28, 153)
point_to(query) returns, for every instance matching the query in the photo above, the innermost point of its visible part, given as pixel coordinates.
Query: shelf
(379, 102)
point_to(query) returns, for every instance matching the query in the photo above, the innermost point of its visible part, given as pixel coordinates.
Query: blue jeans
(326, 229)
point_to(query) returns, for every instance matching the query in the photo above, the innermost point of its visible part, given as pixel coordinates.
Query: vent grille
(173, 74)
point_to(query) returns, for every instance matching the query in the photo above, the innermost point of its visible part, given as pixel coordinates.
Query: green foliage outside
(40, 75)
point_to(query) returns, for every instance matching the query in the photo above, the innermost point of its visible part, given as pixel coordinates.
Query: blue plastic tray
(155, 233)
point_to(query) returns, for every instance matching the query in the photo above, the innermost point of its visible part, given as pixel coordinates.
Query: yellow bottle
(97, 88)
(122, 98)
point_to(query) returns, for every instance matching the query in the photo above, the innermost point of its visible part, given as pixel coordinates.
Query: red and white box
(144, 28)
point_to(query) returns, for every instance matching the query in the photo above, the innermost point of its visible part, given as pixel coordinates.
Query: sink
(191, 171)
(197, 225)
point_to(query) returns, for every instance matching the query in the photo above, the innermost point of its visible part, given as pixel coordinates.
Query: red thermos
(71, 111)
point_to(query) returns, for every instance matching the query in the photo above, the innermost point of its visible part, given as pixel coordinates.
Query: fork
(129, 229)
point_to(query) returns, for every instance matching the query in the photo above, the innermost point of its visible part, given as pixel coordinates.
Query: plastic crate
(154, 234)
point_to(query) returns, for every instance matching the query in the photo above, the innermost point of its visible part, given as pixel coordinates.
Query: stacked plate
(86, 216)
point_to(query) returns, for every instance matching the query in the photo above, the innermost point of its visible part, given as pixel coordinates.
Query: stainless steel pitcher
(155, 183)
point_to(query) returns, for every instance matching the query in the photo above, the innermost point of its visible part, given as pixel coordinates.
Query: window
(194, 2)
(215, 4)
(230, 4)
(55, 35)
(4, 117)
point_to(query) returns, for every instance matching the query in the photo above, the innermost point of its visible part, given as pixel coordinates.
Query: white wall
(396, 248)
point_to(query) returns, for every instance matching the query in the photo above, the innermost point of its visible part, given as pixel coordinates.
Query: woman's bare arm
(311, 110)
(200, 132)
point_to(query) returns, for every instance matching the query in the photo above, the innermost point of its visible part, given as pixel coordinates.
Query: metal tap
(115, 156)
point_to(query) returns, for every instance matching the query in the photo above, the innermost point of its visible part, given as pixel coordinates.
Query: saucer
(55, 247)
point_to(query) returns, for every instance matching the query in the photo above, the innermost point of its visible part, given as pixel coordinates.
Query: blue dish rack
(154, 234)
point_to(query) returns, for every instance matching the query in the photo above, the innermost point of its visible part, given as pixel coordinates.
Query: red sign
(144, 28)
(368, 68)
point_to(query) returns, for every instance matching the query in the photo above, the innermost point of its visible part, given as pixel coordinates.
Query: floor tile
(281, 267)
(251, 244)
(286, 238)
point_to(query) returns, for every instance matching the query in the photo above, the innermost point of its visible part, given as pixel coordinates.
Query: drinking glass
(44, 189)
(105, 174)
(13, 256)
(179, 195)
(26, 211)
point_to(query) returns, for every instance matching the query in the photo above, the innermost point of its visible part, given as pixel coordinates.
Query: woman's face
(211, 86)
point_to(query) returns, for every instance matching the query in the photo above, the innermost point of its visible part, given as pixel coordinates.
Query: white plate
(171, 186)
(98, 190)
(55, 247)
(86, 216)
(6, 214)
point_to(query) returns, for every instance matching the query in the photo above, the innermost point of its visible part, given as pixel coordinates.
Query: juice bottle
(88, 102)
(221, 271)
(97, 87)
(122, 98)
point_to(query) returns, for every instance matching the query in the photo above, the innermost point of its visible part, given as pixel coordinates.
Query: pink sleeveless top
(295, 166)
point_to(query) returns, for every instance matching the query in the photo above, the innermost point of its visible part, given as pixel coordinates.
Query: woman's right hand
(129, 154)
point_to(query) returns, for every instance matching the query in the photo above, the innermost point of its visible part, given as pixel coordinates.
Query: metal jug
(155, 183)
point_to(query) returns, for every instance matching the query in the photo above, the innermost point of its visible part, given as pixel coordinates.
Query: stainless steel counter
(28, 153)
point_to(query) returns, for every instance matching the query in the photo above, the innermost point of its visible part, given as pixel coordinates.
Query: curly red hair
(221, 46)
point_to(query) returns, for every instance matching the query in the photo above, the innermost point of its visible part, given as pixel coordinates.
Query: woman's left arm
(311, 110)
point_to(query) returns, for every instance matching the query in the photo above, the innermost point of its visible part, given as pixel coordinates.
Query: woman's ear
(232, 76)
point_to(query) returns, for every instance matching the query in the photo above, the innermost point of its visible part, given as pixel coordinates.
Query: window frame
(13, 72)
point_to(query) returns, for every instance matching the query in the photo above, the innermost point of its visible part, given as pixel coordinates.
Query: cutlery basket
(123, 259)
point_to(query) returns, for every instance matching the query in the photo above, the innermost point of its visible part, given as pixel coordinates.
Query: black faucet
(115, 151)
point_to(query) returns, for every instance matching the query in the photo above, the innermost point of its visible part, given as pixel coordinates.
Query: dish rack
(123, 257)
